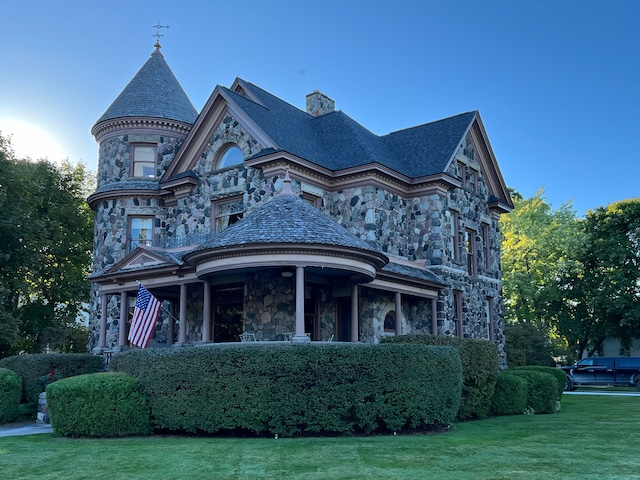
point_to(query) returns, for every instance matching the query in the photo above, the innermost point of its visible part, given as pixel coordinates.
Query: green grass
(594, 437)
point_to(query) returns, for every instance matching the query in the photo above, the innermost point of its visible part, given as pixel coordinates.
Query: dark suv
(618, 371)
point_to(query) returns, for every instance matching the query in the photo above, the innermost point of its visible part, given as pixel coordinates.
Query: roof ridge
(365, 146)
(451, 117)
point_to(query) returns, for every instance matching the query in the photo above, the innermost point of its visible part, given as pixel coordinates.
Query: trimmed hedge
(289, 389)
(10, 393)
(99, 405)
(479, 370)
(33, 367)
(510, 395)
(541, 390)
(557, 373)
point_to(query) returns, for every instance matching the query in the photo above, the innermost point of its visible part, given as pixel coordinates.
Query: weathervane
(158, 34)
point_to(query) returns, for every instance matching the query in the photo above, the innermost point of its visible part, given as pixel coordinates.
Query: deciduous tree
(46, 237)
(604, 295)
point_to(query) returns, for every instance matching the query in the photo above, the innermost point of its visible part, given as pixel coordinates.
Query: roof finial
(286, 183)
(158, 35)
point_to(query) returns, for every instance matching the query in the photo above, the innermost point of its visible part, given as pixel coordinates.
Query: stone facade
(451, 232)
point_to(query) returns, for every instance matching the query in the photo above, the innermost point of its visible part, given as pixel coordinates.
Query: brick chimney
(319, 104)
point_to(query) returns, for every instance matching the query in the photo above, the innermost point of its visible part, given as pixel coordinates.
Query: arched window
(231, 156)
(390, 322)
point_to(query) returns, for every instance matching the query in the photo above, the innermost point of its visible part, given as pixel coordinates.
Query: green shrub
(99, 405)
(558, 374)
(541, 390)
(290, 389)
(10, 393)
(479, 370)
(33, 368)
(510, 395)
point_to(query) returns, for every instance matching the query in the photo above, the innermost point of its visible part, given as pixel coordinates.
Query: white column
(102, 343)
(206, 313)
(122, 326)
(182, 334)
(354, 314)
(398, 313)
(300, 336)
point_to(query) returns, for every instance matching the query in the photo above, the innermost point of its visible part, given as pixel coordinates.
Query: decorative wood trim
(139, 125)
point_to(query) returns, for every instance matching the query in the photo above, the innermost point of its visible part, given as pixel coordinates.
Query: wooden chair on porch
(247, 337)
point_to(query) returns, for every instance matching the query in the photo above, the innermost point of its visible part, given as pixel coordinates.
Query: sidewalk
(25, 429)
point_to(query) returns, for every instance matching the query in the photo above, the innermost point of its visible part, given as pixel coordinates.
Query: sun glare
(29, 140)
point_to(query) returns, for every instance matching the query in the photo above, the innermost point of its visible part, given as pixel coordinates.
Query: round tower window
(231, 156)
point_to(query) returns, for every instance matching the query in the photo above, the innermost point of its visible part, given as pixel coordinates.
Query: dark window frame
(149, 241)
(233, 214)
(392, 315)
(139, 163)
(457, 312)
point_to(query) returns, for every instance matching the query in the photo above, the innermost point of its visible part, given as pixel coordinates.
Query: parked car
(616, 371)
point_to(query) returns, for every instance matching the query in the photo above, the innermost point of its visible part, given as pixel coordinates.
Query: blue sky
(556, 81)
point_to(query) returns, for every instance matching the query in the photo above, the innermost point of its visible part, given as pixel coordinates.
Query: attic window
(232, 155)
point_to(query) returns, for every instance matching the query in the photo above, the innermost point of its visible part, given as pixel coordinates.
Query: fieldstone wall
(375, 304)
(417, 229)
(270, 305)
(114, 163)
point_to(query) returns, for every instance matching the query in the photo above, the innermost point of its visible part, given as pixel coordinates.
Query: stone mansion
(256, 217)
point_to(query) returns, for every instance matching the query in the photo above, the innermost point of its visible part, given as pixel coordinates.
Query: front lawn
(594, 437)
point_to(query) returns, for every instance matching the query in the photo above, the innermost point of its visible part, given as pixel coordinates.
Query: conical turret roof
(153, 92)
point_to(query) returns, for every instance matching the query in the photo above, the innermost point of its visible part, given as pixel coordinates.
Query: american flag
(144, 318)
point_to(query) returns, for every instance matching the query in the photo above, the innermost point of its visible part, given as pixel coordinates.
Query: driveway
(611, 394)
(25, 429)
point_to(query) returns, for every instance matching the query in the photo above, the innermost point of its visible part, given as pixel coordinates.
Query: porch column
(122, 326)
(182, 334)
(213, 319)
(434, 316)
(300, 336)
(354, 313)
(206, 313)
(398, 313)
(102, 343)
(172, 323)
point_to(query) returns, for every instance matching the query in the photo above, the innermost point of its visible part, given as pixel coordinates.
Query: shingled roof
(336, 141)
(153, 92)
(287, 219)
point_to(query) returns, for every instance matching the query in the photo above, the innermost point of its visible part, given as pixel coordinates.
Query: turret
(138, 137)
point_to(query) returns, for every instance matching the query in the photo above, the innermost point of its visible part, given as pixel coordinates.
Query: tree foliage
(46, 236)
(604, 295)
(540, 250)
(572, 279)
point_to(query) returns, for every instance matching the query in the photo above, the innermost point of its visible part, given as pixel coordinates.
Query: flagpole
(162, 307)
